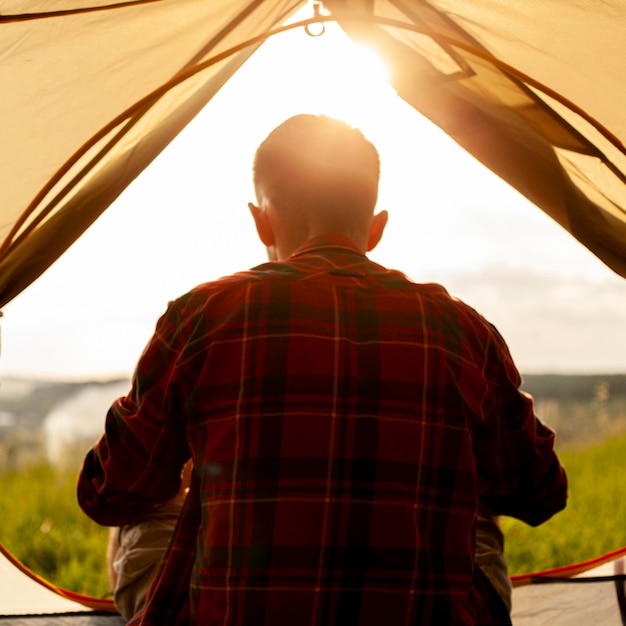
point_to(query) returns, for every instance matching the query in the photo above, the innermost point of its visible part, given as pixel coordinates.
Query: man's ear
(263, 226)
(377, 226)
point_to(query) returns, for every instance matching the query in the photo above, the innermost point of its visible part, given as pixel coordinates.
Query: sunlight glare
(368, 64)
(345, 79)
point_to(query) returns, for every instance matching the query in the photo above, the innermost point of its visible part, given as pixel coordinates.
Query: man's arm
(138, 461)
(520, 473)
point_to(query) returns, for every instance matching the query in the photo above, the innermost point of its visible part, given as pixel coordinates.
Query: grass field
(42, 525)
(591, 524)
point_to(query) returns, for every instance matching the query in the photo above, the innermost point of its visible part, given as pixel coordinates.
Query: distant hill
(583, 409)
(30, 400)
(572, 386)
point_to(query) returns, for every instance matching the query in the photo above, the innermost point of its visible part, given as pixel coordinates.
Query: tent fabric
(94, 90)
(566, 602)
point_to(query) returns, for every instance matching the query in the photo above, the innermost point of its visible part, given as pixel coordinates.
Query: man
(343, 422)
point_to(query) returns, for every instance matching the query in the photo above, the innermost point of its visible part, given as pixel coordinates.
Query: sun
(330, 72)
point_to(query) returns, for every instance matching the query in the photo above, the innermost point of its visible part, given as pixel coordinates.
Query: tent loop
(317, 12)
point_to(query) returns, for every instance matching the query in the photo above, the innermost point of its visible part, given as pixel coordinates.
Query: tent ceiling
(95, 90)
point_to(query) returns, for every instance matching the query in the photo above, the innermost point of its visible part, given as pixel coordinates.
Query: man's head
(314, 175)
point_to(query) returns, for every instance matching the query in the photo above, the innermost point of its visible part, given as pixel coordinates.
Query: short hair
(315, 163)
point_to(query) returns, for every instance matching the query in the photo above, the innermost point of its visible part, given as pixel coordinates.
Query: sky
(185, 221)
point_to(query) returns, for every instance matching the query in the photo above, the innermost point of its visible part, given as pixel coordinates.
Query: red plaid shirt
(343, 423)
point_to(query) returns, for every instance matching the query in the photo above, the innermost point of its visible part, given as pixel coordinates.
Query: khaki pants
(134, 554)
(490, 555)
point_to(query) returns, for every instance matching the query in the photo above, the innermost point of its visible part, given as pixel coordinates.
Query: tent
(93, 90)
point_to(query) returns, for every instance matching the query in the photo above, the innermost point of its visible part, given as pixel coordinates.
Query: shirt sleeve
(519, 472)
(137, 463)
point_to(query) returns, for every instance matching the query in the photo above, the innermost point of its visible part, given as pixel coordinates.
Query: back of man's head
(314, 165)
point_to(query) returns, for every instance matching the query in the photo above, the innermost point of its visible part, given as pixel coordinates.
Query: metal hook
(317, 12)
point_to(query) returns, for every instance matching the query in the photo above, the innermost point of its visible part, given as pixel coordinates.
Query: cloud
(552, 323)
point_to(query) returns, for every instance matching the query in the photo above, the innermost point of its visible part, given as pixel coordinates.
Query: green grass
(591, 524)
(43, 526)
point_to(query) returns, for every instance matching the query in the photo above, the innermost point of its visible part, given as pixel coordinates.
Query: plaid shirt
(343, 423)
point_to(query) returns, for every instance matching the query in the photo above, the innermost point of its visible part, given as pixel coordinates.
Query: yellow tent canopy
(94, 90)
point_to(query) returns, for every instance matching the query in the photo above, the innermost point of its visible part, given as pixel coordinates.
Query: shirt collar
(327, 241)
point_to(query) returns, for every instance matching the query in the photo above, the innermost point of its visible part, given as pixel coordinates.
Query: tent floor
(67, 619)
